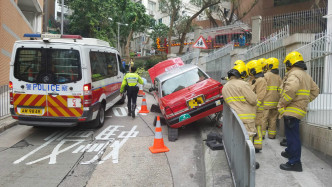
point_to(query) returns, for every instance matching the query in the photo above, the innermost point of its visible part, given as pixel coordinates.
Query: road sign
(200, 43)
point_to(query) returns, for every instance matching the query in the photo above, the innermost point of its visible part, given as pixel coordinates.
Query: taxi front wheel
(173, 134)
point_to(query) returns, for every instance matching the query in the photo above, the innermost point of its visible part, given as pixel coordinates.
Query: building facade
(16, 18)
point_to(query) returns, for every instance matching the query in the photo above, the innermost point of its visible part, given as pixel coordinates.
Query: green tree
(90, 18)
(203, 4)
(171, 7)
(134, 15)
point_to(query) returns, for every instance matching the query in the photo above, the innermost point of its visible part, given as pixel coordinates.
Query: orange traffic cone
(158, 144)
(144, 107)
(140, 92)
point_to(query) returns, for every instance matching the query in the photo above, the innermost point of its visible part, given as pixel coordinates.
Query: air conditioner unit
(151, 12)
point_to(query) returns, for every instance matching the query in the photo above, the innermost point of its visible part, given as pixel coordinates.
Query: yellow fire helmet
(264, 64)
(293, 58)
(239, 62)
(254, 67)
(273, 63)
(242, 69)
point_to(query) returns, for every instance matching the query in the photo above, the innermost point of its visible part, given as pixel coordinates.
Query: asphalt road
(115, 155)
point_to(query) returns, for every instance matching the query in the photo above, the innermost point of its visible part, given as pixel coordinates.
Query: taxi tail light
(87, 95)
(214, 92)
(168, 110)
(179, 107)
(11, 92)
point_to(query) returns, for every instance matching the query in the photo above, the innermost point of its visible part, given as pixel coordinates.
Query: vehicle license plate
(193, 103)
(31, 111)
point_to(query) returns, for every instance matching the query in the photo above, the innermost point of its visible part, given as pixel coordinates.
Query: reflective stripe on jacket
(272, 96)
(296, 91)
(259, 87)
(130, 79)
(239, 96)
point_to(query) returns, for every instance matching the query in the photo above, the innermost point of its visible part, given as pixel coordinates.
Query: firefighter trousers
(270, 124)
(251, 129)
(258, 139)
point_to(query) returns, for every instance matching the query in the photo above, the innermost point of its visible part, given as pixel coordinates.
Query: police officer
(271, 99)
(129, 83)
(297, 90)
(239, 96)
(258, 85)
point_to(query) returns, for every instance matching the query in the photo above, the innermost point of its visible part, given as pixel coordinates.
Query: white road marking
(117, 145)
(98, 155)
(56, 152)
(78, 149)
(107, 133)
(50, 140)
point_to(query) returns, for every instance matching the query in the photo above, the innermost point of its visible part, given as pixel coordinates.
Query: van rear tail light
(87, 95)
(11, 96)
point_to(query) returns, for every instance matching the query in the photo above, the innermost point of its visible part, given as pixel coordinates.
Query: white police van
(61, 80)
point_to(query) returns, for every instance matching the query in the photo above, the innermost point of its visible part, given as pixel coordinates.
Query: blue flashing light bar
(53, 36)
(32, 35)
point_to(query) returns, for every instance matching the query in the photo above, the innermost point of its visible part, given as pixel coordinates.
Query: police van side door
(65, 89)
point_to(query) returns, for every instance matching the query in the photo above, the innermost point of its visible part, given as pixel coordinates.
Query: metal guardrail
(4, 100)
(190, 57)
(306, 21)
(239, 149)
(318, 56)
(218, 62)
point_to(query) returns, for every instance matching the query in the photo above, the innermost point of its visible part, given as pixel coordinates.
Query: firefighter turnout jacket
(259, 87)
(296, 91)
(130, 79)
(239, 96)
(272, 96)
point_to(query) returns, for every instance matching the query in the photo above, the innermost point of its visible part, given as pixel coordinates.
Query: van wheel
(173, 134)
(99, 121)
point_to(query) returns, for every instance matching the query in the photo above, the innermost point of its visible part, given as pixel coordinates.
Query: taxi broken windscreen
(181, 81)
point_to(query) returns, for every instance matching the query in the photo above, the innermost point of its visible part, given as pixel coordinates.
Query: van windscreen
(48, 66)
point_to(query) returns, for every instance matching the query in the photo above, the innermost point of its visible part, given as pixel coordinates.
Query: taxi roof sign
(200, 43)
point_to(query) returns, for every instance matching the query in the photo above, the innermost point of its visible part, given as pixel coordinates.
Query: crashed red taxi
(185, 93)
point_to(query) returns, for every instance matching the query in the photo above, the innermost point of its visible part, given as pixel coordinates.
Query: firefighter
(264, 64)
(235, 64)
(271, 99)
(239, 96)
(297, 90)
(258, 85)
(129, 84)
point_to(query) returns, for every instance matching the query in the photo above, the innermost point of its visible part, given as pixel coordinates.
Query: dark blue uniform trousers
(292, 131)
